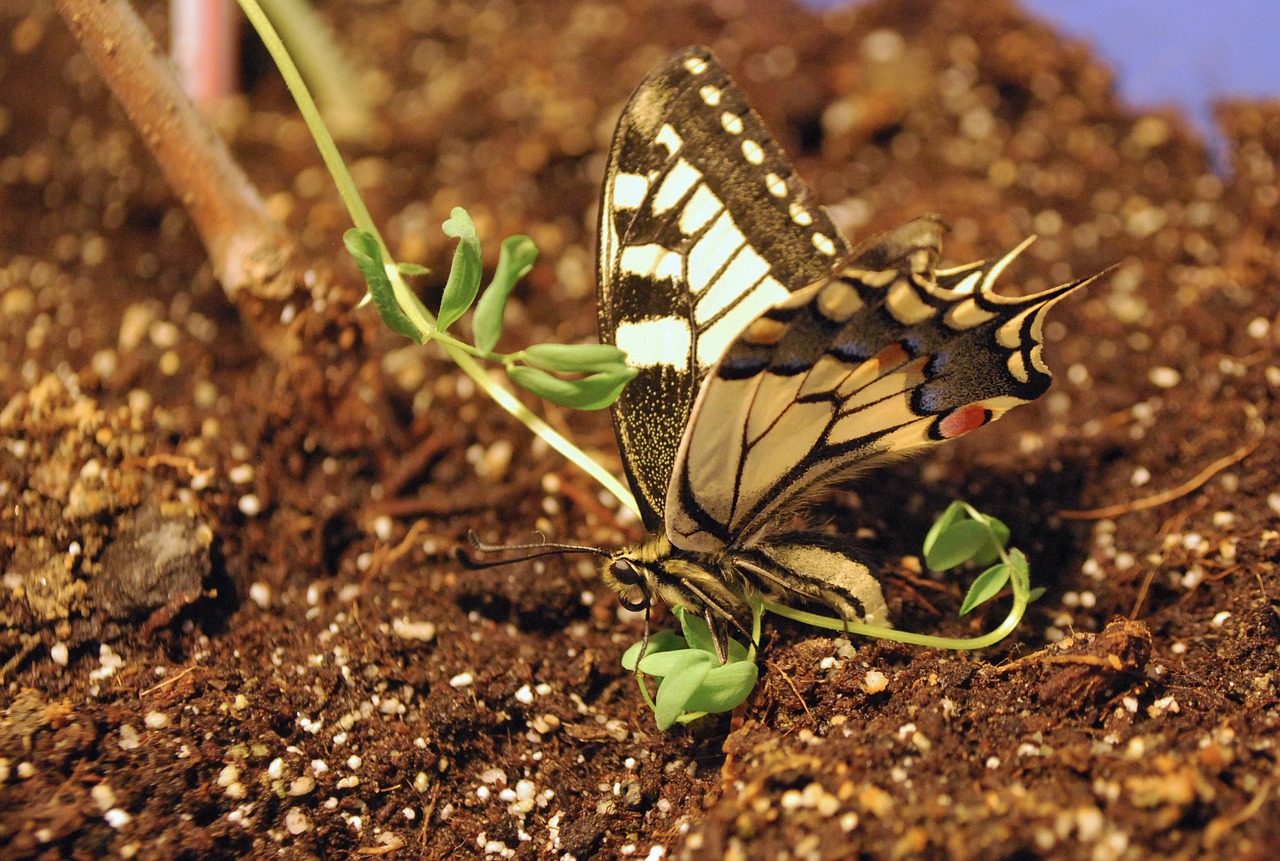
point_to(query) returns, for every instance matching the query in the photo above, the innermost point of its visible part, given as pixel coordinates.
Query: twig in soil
(1262, 587)
(440, 504)
(1181, 490)
(1112, 662)
(383, 557)
(795, 690)
(176, 461)
(169, 681)
(29, 644)
(416, 461)
(386, 849)
(252, 256)
(1219, 826)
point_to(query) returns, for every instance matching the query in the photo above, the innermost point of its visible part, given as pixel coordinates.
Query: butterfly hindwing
(879, 358)
(703, 226)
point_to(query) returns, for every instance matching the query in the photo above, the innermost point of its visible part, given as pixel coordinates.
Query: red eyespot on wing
(964, 420)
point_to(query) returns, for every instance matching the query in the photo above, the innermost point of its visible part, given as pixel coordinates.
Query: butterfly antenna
(528, 551)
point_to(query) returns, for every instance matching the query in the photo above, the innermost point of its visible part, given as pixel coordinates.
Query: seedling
(406, 315)
(694, 683)
(541, 368)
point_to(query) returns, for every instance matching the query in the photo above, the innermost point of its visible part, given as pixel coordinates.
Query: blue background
(1185, 53)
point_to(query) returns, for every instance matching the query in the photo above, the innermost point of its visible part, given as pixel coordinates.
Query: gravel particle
(422, 631)
(260, 594)
(462, 680)
(1164, 377)
(103, 796)
(296, 821)
(117, 818)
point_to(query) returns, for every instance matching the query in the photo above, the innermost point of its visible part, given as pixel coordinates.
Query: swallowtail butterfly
(772, 359)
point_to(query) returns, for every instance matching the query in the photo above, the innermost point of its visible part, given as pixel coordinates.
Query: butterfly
(772, 359)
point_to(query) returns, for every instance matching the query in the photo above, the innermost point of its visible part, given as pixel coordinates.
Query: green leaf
(1036, 594)
(956, 511)
(514, 262)
(724, 688)
(675, 691)
(997, 540)
(663, 641)
(589, 393)
(412, 269)
(464, 276)
(985, 587)
(663, 664)
(364, 248)
(957, 544)
(568, 358)
(698, 635)
(696, 631)
(1020, 563)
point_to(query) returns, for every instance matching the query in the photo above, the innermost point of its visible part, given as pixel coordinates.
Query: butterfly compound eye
(625, 573)
(634, 596)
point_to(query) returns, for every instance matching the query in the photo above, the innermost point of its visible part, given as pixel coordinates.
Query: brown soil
(304, 671)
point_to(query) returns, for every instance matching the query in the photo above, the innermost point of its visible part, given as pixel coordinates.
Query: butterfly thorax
(804, 567)
(654, 569)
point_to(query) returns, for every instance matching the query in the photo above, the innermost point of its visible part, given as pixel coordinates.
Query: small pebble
(103, 796)
(260, 594)
(1164, 377)
(296, 821)
(422, 631)
(117, 818)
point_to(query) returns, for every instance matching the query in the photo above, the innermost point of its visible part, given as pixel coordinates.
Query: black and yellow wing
(703, 226)
(883, 356)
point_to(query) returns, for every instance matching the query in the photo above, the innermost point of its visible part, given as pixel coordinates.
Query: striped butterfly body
(771, 359)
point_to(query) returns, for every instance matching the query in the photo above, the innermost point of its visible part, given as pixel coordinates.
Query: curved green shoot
(412, 318)
(961, 534)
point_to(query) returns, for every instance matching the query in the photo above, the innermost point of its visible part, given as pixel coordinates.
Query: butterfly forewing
(703, 226)
(864, 364)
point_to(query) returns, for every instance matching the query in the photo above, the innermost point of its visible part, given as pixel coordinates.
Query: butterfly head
(636, 573)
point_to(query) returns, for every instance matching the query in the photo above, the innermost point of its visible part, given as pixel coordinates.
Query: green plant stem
(364, 221)
(1020, 585)
(347, 110)
(1022, 590)
(961, 643)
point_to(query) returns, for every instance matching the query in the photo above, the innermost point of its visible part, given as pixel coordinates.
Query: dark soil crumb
(231, 625)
